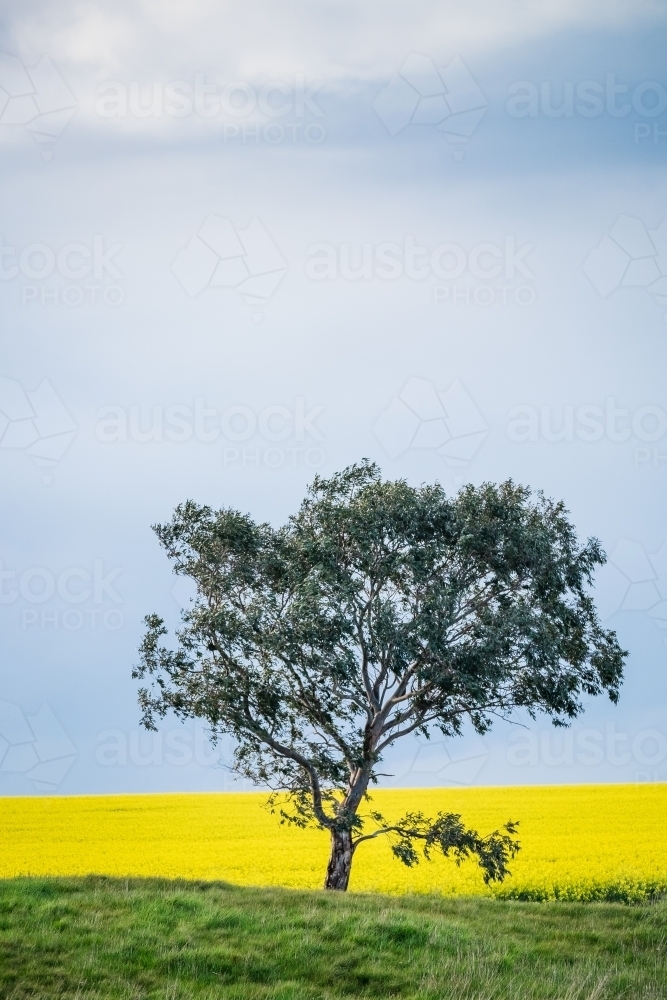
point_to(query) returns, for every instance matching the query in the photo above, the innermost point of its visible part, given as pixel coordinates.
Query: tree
(378, 610)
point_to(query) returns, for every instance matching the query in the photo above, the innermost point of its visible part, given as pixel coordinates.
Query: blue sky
(216, 296)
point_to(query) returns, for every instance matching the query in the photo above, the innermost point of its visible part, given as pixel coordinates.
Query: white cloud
(339, 42)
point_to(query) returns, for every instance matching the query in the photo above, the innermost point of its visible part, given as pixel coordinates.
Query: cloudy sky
(243, 245)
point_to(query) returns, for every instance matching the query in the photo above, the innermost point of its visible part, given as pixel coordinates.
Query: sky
(241, 246)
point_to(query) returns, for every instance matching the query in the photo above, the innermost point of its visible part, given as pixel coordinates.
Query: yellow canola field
(578, 841)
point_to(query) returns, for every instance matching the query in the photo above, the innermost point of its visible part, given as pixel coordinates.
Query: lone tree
(377, 611)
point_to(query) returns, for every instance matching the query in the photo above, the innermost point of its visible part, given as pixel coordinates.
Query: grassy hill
(116, 938)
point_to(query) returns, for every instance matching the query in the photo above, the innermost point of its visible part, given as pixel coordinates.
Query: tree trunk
(340, 860)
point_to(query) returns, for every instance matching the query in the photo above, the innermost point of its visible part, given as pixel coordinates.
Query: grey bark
(340, 860)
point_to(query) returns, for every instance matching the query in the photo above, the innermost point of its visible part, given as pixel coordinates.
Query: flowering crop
(578, 842)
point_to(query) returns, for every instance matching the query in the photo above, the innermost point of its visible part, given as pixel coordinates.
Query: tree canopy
(378, 610)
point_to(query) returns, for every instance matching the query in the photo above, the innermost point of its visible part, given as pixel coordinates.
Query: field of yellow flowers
(578, 842)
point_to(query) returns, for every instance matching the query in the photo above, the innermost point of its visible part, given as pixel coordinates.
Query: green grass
(97, 937)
